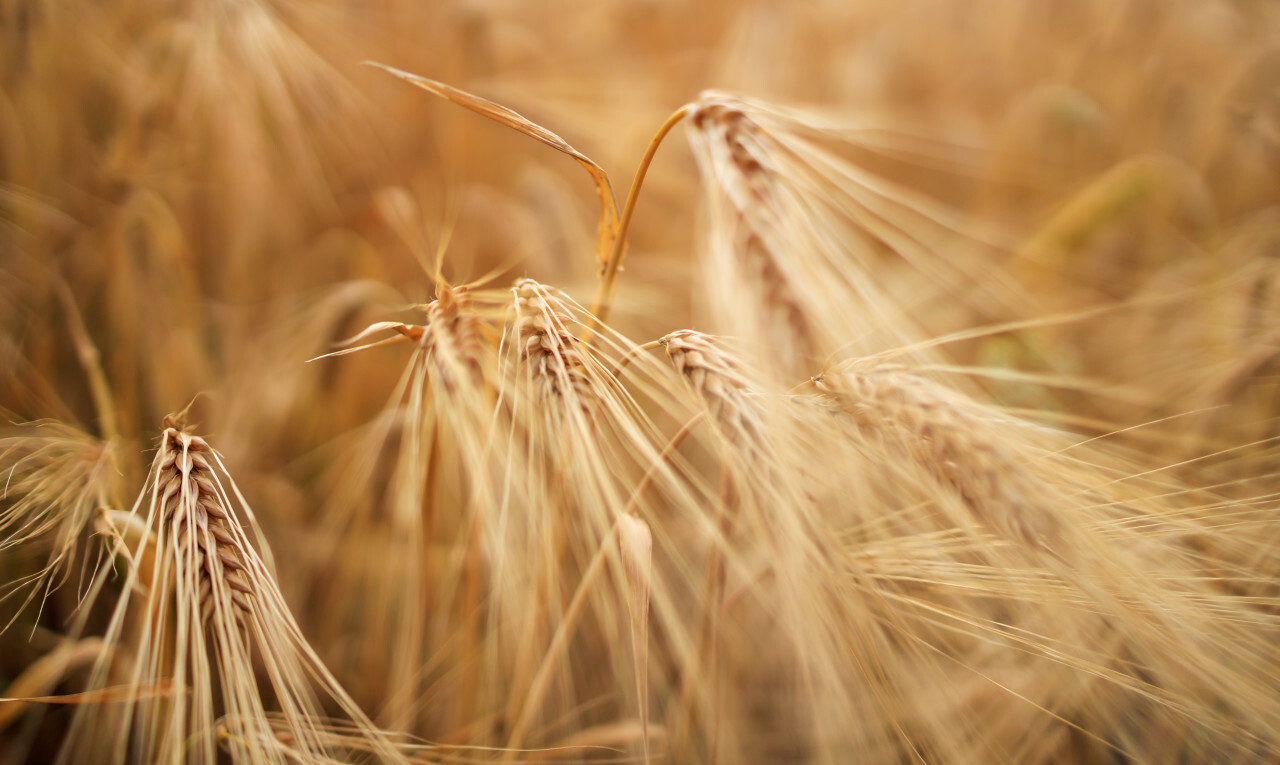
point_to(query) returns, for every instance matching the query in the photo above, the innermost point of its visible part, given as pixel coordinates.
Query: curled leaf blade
(518, 122)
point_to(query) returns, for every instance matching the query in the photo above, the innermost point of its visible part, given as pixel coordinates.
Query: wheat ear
(751, 227)
(959, 441)
(718, 378)
(556, 358)
(191, 507)
(199, 601)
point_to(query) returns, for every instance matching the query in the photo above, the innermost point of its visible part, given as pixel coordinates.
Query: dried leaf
(516, 121)
(46, 672)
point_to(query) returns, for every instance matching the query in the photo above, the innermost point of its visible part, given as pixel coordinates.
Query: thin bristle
(922, 405)
(206, 602)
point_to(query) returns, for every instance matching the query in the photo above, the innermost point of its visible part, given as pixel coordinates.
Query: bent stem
(609, 276)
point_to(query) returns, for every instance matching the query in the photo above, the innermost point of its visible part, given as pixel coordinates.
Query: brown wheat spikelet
(556, 356)
(718, 378)
(194, 514)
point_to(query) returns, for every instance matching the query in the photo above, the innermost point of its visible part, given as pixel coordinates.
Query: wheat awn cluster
(917, 403)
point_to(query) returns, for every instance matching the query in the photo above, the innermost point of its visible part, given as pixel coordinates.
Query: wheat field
(916, 403)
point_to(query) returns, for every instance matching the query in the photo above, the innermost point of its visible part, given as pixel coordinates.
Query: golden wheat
(1023, 510)
(189, 623)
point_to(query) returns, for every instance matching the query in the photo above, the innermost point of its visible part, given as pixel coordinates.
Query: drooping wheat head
(809, 255)
(717, 377)
(557, 361)
(1090, 541)
(444, 407)
(959, 442)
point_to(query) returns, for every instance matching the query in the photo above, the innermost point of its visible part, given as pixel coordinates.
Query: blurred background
(213, 192)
